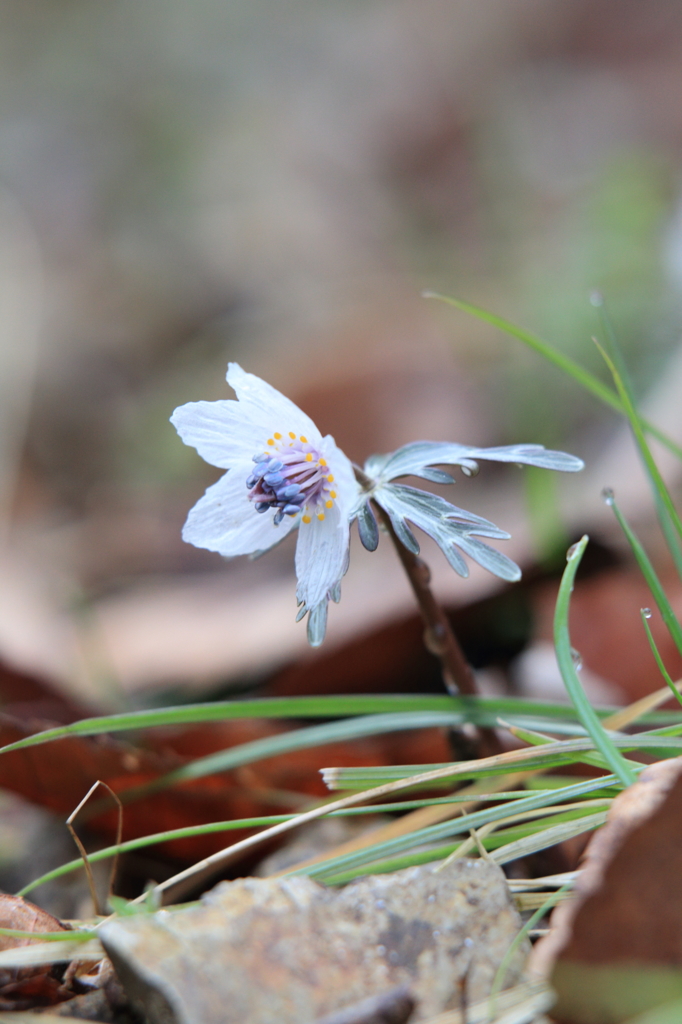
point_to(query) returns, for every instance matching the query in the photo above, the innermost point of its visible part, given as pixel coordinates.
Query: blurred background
(277, 183)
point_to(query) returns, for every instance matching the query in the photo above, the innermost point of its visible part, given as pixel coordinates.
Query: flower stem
(439, 638)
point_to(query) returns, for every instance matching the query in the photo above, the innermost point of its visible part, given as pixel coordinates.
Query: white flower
(282, 474)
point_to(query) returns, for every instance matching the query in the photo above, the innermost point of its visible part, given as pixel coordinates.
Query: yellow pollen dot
(329, 504)
(320, 516)
(330, 477)
(309, 457)
(305, 519)
(332, 494)
(292, 435)
(270, 441)
(323, 462)
(304, 439)
(277, 437)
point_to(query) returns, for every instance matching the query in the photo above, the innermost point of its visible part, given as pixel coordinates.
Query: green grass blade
(569, 366)
(528, 838)
(452, 827)
(501, 973)
(82, 935)
(646, 615)
(657, 481)
(551, 755)
(236, 824)
(649, 573)
(295, 739)
(543, 838)
(564, 654)
(479, 710)
(625, 384)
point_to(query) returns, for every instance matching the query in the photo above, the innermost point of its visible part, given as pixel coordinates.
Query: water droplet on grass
(577, 659)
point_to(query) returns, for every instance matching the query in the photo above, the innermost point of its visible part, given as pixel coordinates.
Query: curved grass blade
(569, 366)
(649, 573)
(646, 615)
(564, 654)
(627, 402)
(666, 522)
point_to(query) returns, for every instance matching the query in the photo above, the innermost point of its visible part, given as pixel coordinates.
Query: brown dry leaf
(289, 951)
(616, 949)
(58, 775)
(21, 988)
(20, 915)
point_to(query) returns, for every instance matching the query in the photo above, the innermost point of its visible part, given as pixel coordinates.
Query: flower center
(290, 476)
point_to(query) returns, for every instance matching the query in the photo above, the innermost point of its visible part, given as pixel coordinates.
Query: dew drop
(431, 898)
(596, 299)
(572, 551)
(381, 950)
(468, 942)
(577, 659)
(608, 497)
(471, 469)
(393, 956)
(380, 904)
(435, 933)
(646, 612)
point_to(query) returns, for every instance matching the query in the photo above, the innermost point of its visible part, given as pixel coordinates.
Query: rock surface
(289, 951)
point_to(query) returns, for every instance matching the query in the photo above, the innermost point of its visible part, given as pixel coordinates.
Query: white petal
(222, 432)
(321, 555)
(345, 484)
(224, 520)
(259, 399)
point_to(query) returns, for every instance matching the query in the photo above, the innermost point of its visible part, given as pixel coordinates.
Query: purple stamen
(289, 480)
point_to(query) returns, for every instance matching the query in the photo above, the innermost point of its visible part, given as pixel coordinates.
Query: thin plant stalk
(81, 849)
(439, 637)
